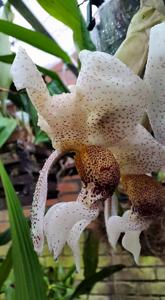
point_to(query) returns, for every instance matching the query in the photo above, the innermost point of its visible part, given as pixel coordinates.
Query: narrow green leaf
(90, 253)
(21, 7)
(28, 276)
(7, 126)
(69, 13)
(87, 284)
(35, 39)
(6, 267)
(9, 59)
(5, 77)
(69, 274)
(5, 237)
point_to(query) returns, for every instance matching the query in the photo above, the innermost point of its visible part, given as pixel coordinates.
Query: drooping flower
(131, 225)
(101, 107)
(103, 110)
(140, 154)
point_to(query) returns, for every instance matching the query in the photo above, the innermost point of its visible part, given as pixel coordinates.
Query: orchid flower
(147, 197)
(97, 119)
(81, 121)
(139, 154)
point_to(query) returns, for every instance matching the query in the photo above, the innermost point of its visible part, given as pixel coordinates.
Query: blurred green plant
(29, 284)
(68, 12)
(59, 282)
(86, 285)
(34, 38)
(90, 253)
(6, 267)
(7, 126)
(5, 78)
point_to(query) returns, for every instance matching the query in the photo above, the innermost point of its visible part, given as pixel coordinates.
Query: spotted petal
(139, 153)
(57, 114)
(39, 201)
(155, 78)
(60, 225)
(26, 75)
(108, 106)
(114, 96)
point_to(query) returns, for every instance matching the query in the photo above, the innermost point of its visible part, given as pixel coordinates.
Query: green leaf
(69, 274)
(7, 126)
(87, 284)
(5, 237)
(35, 39)
(60, 86)
(41, 137)
(90, 253)
(6, 267)
(5, 78)
(69, 13)
(28, 276)
(21, 7)
(56, 79)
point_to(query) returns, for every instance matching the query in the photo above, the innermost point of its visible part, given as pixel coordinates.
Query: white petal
(133, 228)
(129, 222)
(60, 219)
(114, 96)
(39, 201)
(131, 243)
(58, 114)
(114, 229)
(69, 122)
(139, 153)
(155, 78)
(73, 240)
(26, 76)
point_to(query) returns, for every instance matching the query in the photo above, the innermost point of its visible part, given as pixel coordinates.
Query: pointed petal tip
(114, 229)
(131, 243)
(20, 58)
(39, 245)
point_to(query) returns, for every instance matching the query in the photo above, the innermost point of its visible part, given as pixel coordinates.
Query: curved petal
(73, 239)
(131, 243)
(26, 76)
(114, 228)
(139, 153)
(113, 95)
(132, 225)
(39, 201)
(57, 114)
(155, 78)
(59, 221)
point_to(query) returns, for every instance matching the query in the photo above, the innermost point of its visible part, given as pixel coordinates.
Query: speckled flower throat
(99, 173)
